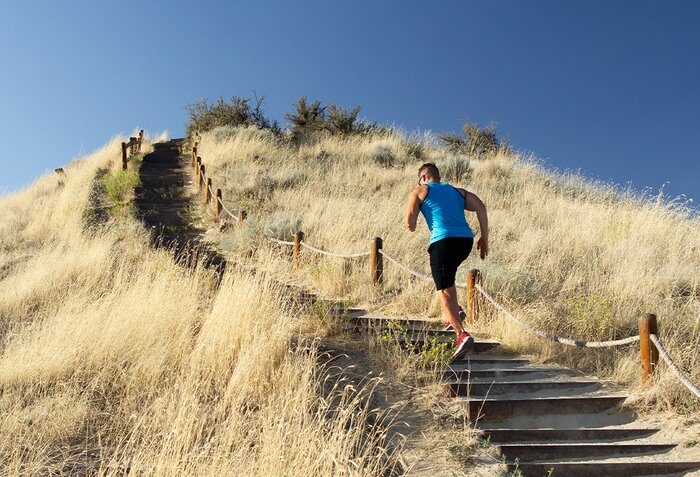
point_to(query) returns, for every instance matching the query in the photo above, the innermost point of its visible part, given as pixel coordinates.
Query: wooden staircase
(165, 204)
(545, 420)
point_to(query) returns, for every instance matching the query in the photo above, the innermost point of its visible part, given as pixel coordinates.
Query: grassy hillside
(574, 258)
(115, 360)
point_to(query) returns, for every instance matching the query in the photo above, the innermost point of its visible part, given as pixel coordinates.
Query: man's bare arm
(412, 210)
(472, 203)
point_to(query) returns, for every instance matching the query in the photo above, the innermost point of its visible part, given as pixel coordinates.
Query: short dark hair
(430, 169)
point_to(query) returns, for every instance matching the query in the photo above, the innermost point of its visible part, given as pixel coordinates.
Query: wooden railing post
(140, 139)
(124, 158)
(202, 174)
(218, 202)
(207, 193)
(241, 217)
(194, 156)
(473, 277)
(298, 237)
(132, 145)
(647, 350)
(376, 261)
(197, 165)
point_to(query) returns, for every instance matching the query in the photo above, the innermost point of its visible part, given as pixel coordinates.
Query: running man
(451, 239)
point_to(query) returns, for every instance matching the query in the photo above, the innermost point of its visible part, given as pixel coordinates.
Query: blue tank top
(443, 209)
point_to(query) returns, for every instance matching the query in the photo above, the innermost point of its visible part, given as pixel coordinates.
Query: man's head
(428, 172)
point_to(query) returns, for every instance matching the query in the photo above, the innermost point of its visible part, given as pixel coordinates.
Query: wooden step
(502, 408)
(565, 435)
(382, 323)
(474, 389)
(480, 346)
(474, 375)
(496, 362)
(546, 452)
(636, 468)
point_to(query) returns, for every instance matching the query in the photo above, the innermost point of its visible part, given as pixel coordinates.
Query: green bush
(306, 119)
(310, 118)
(474, 140)
(343, 121)
(239, 112)
(120, 185)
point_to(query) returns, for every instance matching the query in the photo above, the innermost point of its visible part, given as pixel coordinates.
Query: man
(451, 239)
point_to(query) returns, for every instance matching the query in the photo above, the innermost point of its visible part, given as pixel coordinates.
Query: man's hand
(483, 247)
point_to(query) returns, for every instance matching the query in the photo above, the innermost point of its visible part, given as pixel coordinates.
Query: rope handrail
(225, 209)
(415, 273)
(281, 242)
(679, 374)
(558, 339)
(333, 254)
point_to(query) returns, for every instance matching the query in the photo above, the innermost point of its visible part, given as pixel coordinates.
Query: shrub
(475, 140)
(306, 119)
(239, 112)
(343, 121)
(381, 153)
(454, 168)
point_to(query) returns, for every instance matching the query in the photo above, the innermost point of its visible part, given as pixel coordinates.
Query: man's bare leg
(450, 307)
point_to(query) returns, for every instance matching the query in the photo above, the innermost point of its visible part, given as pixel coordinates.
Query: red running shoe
(463, 344)
(462, 315)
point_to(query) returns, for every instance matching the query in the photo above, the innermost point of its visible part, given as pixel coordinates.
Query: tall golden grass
(116, 361)
(573, 257)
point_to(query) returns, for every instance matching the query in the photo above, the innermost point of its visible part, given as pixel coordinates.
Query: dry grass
(575, 258)
(114, 360)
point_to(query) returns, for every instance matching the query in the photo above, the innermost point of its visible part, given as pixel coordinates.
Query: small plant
(435, 353)
(432, 355)
(119, 185)
(590, 314)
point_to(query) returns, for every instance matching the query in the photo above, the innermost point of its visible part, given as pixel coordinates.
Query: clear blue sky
(608, 87)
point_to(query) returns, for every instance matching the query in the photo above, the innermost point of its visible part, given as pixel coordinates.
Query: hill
(117, 360)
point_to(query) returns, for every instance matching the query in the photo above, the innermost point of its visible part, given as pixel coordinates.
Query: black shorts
(445, 256)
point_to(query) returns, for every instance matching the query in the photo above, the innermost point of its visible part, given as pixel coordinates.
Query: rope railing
(672, 366)
(130, 148)
(650, 345)
(334, 254)
(558, 339)
(405, 268)
(278, 241)
(205, 185)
